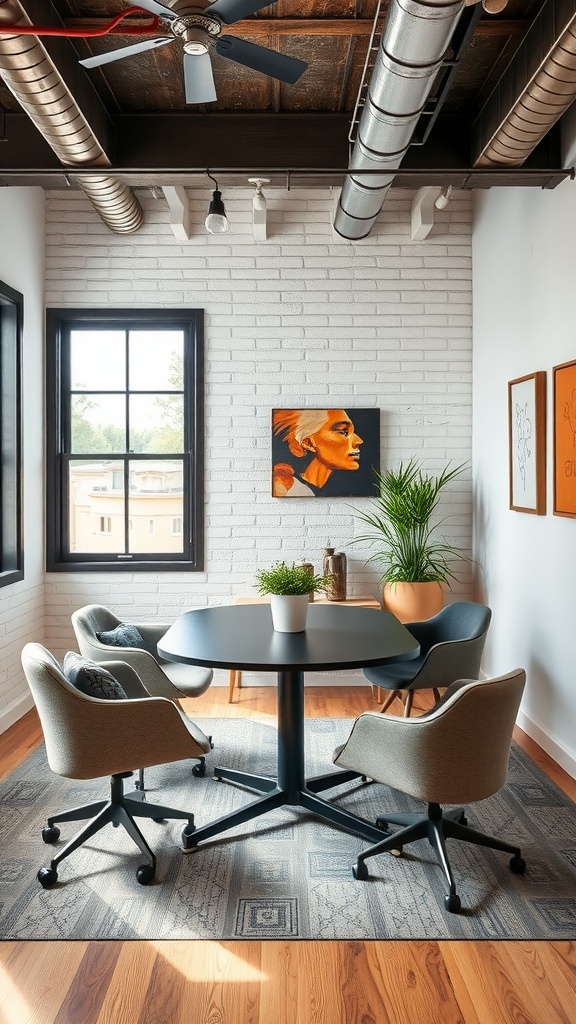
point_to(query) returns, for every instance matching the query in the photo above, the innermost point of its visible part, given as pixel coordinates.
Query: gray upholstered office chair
(451, 646)
(456, 753)
(161, 678)
(87, 737)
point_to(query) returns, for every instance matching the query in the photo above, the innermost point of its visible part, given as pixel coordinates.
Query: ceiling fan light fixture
(216, 222)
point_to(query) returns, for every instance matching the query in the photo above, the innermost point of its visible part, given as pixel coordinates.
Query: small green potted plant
(416, 563)
(289, 587)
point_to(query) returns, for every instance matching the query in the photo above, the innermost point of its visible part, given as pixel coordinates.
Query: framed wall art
(564, 396)
(325, 452)
(527, 443)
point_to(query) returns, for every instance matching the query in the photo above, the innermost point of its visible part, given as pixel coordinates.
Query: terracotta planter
(289, 612)
(412, 602)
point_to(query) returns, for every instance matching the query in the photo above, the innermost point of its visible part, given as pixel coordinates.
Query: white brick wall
(304, 318)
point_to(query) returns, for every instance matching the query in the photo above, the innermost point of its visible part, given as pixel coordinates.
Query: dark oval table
(242, 637)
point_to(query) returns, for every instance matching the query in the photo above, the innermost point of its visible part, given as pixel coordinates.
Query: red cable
(126, 30)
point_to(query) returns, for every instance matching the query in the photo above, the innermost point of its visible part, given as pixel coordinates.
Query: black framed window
(11, 511)
(124, 439)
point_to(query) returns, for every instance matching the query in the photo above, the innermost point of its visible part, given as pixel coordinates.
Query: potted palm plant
(289, 587)
(417, 565)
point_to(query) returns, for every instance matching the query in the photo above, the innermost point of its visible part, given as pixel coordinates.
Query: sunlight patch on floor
(207, 960)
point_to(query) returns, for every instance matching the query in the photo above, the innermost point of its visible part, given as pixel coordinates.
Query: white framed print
(527, 443)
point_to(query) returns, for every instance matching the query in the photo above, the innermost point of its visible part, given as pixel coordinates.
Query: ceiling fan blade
(230, 11)
(260, 58)
(198, 78)
(155, 8)
(125, 51)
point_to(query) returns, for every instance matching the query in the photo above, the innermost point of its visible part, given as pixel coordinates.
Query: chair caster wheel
(518, 865)
(145, 874)
(50, 834)
(360, 871)
(452, 903)
(47, 877)
(199, 770)
(188, 842)
(463, 820)
(158, 820)
(381, 823)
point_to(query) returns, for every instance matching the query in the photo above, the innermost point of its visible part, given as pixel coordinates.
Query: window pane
(96, 496)
(97, 360)
(157, 423)
(156, 499)
(98, 423)
(156, 360)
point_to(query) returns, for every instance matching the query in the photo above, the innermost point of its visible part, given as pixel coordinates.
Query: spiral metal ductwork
(542, 82)
(31, 76)
(414, 41)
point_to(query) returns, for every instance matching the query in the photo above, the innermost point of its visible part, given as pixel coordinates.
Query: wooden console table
(235, 675)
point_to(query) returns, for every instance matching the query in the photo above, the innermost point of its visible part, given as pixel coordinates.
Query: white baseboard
(347, 678)
(553, 747)
(15, 711)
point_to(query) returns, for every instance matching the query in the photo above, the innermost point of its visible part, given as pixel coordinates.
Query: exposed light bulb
(443, 199)
(216, 222)
(259, 209)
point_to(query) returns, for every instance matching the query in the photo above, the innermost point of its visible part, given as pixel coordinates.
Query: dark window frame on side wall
(11, 487)
(60, 323)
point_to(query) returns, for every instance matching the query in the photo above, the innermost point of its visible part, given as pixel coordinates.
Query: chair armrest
(423, 632)
(128, 679)
(151, 633)
(454, 687)
(450, 660)
(120, 735)
(376, 746)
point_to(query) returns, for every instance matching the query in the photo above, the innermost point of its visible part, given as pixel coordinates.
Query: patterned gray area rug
(284, 875)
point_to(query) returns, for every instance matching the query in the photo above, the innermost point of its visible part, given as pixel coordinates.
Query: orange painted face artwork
(336, 445)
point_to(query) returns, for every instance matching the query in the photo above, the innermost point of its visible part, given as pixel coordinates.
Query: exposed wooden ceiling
(261, 125)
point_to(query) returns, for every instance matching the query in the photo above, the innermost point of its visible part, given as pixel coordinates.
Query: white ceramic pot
(289, 612)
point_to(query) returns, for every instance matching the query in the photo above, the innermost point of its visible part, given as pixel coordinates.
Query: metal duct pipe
(542, 82)
(40, 90)
(415, 39)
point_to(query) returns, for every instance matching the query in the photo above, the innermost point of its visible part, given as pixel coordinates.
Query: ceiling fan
(199, 25)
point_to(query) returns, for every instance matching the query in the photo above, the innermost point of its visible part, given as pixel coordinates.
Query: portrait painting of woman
(324, 452)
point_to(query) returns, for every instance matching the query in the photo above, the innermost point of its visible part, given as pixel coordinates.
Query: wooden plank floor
(245, 982)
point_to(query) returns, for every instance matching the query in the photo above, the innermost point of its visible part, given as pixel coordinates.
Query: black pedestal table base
(290, 788)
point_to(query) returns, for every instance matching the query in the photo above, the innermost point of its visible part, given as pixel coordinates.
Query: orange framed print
(564, 390)
(325, 453)
(527, 443)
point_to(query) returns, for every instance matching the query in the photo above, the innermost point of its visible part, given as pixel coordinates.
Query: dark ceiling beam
(466, 178)
(312, 26)
(185, 140)
(277, 140)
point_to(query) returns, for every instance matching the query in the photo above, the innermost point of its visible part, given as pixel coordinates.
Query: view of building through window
(126, 397)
